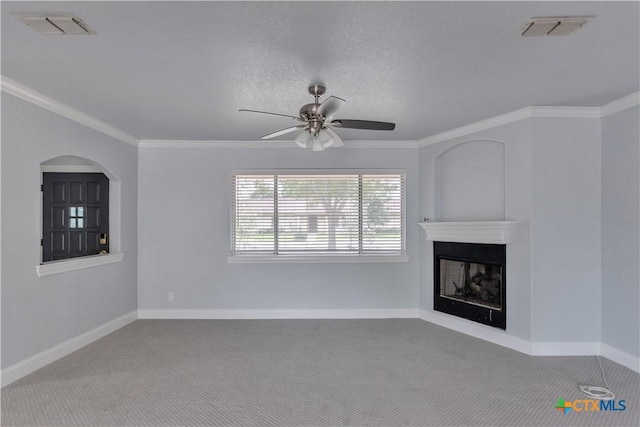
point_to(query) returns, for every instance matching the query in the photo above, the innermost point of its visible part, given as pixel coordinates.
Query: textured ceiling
(181, 70)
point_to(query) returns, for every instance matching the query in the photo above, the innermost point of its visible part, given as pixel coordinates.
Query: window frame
(308, 257)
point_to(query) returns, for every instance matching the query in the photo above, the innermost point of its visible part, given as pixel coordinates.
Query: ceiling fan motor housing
(309, 111)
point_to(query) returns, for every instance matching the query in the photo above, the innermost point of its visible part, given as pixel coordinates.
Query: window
(336, 213)
(75, 219)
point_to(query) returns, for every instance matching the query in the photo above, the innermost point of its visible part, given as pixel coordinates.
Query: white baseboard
(477, 330)
(565, 348)
(621, 357)
(533, 348)
(279, 314)
(35, 362)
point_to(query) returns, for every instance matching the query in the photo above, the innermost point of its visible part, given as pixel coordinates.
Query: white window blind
(333, 213)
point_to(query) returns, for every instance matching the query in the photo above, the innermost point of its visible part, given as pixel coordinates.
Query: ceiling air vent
(55, 23)
(554, 25)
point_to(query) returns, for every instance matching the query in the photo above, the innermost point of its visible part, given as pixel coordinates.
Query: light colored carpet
(378, 372)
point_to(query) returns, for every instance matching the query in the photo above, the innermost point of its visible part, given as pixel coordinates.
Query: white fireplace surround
(497, 232)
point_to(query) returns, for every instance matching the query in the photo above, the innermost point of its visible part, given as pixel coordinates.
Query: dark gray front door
(75, 219)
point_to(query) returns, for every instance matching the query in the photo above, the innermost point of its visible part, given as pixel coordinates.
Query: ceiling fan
(318, 122)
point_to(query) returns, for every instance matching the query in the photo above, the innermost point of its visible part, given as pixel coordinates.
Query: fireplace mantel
(497, 232)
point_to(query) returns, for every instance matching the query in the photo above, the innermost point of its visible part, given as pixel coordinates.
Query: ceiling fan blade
(330, 106)
(337, 141)
(273, 114)
(364, 124)
(283, 131)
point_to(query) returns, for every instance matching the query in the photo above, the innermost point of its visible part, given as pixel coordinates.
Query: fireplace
(470, 281)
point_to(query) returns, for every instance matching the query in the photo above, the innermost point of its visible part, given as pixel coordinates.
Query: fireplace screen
(473, 283)
(470, 281)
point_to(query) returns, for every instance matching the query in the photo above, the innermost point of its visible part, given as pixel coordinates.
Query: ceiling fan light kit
(303, 139)
(318, 141)
(317, 130)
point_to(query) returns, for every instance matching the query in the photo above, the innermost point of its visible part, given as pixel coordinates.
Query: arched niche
(75, 164)
(470, 182)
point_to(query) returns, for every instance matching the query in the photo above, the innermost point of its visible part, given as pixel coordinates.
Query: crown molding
(566, 112)
(490, 123)
(190, 143)
(23, 92)
(530, 112)
(185, 143)
(382, 144)
(621, 104)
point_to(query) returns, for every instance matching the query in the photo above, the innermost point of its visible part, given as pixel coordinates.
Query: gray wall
(184, 206)
(571, 183)
(469, 182)
(507, 164)
(552, 188)
(620, 225)
(565, 230)
(41, 312)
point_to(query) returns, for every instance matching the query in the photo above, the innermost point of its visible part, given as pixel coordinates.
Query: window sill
(314, 259)
(66, 265)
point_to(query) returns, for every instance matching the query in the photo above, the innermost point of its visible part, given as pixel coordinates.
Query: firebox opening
(470, 280)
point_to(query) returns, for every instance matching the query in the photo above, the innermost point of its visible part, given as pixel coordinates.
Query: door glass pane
(76, 217)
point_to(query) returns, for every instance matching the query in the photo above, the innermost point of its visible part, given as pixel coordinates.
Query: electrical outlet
(171, 297)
